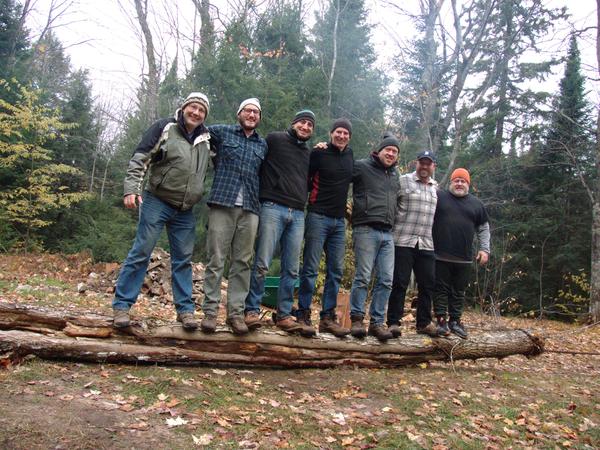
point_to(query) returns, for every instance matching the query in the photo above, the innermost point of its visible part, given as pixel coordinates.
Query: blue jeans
(329, 234)
(181, 231)
(373, 249)
(283, 225)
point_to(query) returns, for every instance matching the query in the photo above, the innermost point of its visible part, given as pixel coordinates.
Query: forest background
(492, 85)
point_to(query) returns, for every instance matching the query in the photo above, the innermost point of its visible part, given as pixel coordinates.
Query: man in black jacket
(283, 192)
(375, 183)
(329, 178)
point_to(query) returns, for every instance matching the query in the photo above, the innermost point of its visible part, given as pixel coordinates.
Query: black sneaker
(458, 329)
(442, 326)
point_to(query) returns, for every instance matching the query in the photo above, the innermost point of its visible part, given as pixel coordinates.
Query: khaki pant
(231, 235)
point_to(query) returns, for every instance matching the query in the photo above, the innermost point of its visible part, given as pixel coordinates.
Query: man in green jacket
(176, 153)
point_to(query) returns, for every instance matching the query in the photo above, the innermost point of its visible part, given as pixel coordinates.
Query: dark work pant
(422, 263)
(450, 283)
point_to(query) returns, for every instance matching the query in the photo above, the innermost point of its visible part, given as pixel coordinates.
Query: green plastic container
(271, 285)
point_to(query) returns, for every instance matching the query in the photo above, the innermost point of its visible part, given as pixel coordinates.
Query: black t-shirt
(454, 225)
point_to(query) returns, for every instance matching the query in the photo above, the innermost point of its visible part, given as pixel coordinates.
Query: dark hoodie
(375, 189)
(284, 172)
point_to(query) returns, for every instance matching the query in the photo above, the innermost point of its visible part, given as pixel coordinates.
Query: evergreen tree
(346, 78)
(14, 42)
(557, 218)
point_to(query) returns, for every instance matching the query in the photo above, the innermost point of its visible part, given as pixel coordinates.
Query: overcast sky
(102, 36)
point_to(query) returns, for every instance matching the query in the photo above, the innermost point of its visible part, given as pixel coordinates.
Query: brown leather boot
(208, 324)
(188, 321)
(237, 325)
(380, 331)
(330, 325)
(120, 318)
(358, 328)
(303, 317)
(395, 330)
(253, 321)
(290, 325)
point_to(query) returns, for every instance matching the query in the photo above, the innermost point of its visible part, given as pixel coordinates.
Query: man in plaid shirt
(233, 216)
(417, 199)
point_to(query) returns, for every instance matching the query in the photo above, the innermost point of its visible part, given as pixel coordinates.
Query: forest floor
(551, 401)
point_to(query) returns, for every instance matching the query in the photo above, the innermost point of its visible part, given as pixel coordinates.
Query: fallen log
(68, 335)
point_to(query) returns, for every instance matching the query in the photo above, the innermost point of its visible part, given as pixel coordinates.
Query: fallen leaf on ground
(175, 422)
(203, 439)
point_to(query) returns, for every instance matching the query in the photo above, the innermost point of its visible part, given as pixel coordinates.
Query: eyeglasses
(249, 111)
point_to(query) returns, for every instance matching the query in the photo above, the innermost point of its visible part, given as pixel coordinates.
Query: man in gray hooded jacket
(175, 151)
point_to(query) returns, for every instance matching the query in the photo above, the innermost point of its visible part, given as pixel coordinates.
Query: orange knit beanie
(461, 173)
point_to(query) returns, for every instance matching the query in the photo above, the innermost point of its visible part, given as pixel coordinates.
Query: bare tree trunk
(104, 179)
(150, 102)
(430, 98)
(595, 266)
(90, 337)
(338, 12)
(207, 28)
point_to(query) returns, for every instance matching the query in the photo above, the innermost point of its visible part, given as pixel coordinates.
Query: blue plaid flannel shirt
(237, 163)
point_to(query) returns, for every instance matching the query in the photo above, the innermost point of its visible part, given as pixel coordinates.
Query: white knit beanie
(249, 101)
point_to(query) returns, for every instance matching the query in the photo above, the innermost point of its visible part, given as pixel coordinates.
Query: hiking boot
(308, 330)
(303, 317)
(430, 330)
(237, 325)
(209, 324)
(188, 321)
(380, 331)
(330, 325)
(458, 329)
(358, 328)
(290, 325)
(252, 320)
(395, 330)
(442, 326)
(120, 318)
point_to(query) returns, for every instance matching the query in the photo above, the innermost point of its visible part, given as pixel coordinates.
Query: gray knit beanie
(387, 140)
(342, 123)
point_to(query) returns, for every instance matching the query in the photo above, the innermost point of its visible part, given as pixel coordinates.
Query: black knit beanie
(342, 123)
(387, 140)
(304, 114)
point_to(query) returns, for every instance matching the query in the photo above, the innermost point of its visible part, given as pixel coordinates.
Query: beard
(462, 193)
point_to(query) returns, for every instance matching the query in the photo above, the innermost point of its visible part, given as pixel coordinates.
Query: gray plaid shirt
(414, 216)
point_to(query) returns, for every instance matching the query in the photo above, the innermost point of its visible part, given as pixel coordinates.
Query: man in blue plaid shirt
(233, 216)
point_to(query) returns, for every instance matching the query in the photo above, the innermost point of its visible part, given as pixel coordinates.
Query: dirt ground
(552, 401)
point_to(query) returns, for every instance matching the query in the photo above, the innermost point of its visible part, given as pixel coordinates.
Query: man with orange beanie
(458, 217)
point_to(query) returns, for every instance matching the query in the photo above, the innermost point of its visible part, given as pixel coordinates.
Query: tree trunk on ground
(90, 337)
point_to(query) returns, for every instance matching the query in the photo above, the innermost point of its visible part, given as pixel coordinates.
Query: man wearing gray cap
(233, 215)
(175, 151)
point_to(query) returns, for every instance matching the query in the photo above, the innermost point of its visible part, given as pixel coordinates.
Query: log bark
(91, 337)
